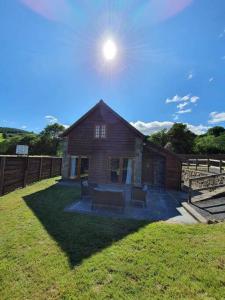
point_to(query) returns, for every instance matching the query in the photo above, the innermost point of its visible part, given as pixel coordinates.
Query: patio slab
(161, 206)
(212, 209)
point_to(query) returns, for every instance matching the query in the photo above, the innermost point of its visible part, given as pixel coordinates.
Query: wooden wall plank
(17, 172)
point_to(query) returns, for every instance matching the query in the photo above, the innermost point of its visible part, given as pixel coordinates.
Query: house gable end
(100, 113)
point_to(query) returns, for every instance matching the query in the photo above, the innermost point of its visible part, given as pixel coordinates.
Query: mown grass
(46, 253)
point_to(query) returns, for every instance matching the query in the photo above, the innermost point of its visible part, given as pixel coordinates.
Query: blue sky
(170, 64)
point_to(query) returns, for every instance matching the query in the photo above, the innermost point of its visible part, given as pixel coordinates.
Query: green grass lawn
(46, 253)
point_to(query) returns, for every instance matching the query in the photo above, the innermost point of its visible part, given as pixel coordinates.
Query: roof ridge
(101, 102)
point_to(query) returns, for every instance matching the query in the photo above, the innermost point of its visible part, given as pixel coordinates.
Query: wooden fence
(201, 174)
(208, 165)
(206, 183)
(17, 171)
(185, 157)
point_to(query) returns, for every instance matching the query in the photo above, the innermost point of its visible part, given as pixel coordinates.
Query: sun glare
(109, 50)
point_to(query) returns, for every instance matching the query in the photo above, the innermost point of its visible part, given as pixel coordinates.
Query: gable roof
(101, 103)
(160, 150)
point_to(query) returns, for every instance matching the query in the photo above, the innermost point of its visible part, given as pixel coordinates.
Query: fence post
(208, 164)
(60, 170)
(2, 173)
(221, 166)
(26, 171)
(190, 191)
(51, 167)
(40, 170)
(196, 166)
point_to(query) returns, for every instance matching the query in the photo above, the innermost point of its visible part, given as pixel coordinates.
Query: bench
(108, 199)
(139, 196)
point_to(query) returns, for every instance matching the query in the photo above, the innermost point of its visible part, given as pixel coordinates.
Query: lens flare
(109, 50)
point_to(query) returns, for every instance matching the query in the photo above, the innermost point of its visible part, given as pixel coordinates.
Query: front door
(121, 170)
(159, 172)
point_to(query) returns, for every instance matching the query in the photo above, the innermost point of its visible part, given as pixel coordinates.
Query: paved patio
(161, 205)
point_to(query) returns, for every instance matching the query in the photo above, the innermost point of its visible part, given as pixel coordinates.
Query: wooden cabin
(106, 148)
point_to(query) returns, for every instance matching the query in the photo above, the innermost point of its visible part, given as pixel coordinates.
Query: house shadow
(78, 235)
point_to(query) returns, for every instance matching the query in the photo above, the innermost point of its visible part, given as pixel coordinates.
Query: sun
(109, 50)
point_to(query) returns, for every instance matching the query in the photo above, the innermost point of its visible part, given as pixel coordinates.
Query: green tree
(49, 140)
(53, 130)
(181, 138)
(216, 131)
(45, 143)
(159, 138)
(209, 144)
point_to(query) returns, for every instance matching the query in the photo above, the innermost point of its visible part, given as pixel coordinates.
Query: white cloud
(175, 117)
(222, 34)
(184, 101)
(184, 111)
(66, 126)
(182, 105)
(194, 99)
(185, 98)
(190, 76)
(198, 129)
(51, 119)
(148, 128)
(151, 127)
(176, 98)
(211, 79)
(23, 127)
(216, 117)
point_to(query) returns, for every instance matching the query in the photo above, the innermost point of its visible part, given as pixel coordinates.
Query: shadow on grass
(79, 236)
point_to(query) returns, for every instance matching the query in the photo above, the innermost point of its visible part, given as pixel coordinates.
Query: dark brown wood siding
(120, 139)
(121, 142)
(16, 172)
(171, 176)
(173, 172)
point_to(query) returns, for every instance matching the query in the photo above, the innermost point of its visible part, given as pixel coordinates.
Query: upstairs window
(97, 131)
(103, 131)
(100, 131)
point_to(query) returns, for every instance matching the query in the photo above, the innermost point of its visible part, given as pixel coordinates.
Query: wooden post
(196, 164)
(190, 191)
(208, 164)
(2, 173)
(26, 171)
(221, 166)
(188, 163)
(51, 167)
(78, 167)
(60, 169)
(40, 169)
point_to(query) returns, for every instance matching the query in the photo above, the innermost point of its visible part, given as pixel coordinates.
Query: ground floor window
(121, 170)
(79, 166)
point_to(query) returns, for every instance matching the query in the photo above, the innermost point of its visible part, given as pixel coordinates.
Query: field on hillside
(1, 137)
(46, 253)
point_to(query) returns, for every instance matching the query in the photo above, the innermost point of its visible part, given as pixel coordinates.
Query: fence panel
(17, 171)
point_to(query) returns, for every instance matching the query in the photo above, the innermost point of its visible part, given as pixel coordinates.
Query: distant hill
(12, 131)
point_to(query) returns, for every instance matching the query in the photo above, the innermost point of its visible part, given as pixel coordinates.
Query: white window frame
(100, 131)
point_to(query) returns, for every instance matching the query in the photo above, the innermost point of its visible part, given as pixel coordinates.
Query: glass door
(74, 167)
(121, 170)
(84, 167)
(79, 167)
